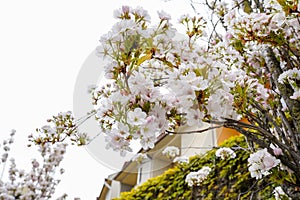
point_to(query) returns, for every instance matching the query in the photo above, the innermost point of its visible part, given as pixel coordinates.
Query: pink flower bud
(277, 151)
(150, 119)
(35, 164)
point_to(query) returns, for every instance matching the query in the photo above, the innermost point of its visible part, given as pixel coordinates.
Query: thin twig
(191, 132)
(247, 190)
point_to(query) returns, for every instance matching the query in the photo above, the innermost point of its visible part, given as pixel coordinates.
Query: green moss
(229, 179)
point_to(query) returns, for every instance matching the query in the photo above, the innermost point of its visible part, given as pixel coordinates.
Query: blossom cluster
(171, 152)
(139, 158)
(261, 162)
(40, 181)
(279, 193)
(225, 153)
(60, 127)
(291, 77)
(181, 159)
(157, 79)
(6, 146)
(195, 178)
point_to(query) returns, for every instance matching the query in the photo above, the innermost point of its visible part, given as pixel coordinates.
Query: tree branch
(191, 132)
(273, 66)
(291, 158)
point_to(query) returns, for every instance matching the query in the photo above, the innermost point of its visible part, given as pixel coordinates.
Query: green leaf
(247, 7)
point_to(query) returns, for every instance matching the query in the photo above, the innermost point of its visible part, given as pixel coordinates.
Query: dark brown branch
(239, 126)
(288, 128)
(191, 132)
(259, 5)
(285, 90)
(268, 135)
(291, 158)
(270, 120)
(252, 186)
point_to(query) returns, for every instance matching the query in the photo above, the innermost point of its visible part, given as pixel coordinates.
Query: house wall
(189, 144)
(154, 167)
(115, 189)
(159, 166)
(108, 195)
(196, 143)
(125, 187)
(144, 172)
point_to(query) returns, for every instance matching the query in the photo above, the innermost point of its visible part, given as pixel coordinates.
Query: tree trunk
(196, 193)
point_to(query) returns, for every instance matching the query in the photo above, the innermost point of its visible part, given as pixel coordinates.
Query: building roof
(129, 168)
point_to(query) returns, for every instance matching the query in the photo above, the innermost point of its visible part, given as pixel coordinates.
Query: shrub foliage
(229, 179)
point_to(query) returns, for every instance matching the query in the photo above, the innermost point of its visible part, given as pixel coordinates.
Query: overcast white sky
(43, 45)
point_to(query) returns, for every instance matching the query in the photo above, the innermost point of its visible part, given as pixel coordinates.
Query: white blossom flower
(261, 162)
(183, 18)
(163, 15)
(171, 151)
(296, 94)
(195, 178)
(121, 27)
(116, 140)
(118, 13)
(119, 97)
(139, 158)
(225, 153)
(139, 84)
(139, 11)
(136, 117)
(192, 179)
(291, 76)
(181, 159)
(194, 117)
(148, 142)
(150, 94)
(279, 193)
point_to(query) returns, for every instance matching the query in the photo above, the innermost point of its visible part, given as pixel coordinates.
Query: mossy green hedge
(229, 179)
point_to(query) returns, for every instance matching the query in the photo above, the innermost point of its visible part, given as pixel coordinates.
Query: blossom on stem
(291, 76)
(40, 181)
(225, 153)
(136, 117)
(139, 158)
(279, 193)
(195, 178)
(171, 152)
(181, 159)
(276, 150)
(261, 162)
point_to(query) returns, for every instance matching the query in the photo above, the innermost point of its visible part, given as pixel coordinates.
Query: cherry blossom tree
(240, 62)
(39, 182)
(249, 69)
